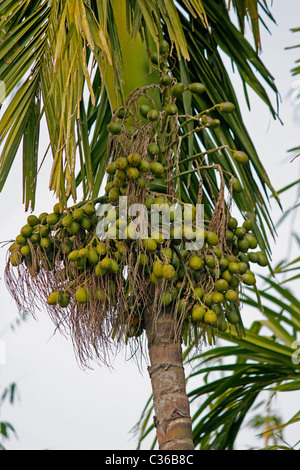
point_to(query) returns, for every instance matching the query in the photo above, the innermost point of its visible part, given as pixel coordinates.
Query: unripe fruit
(233, 268)
(242, 267)
(210, 317)
(223, 264)
(21, 240)
(240, 157)
(73, 228)
(165, 80)
(111, 168)
(214, 124)
(35, 238)
(52, 219)
(33, 220)
(158, 237)
(144, 166)
(105, 263)
(114, 128)
(93, 257)
(64, 300)
(210, 261)
(168, 272)
(177, 89)
(189, 213)
(227, 275)
(248, 225)
(155, 58)
(164, 47)
(182, 306)
(252, 241)
(229, 235)
(157, 168)
(249, 279)
(56, 208)
(89, 209)
(217, 297)
(15, 259)
(166, 254)
(232, 317)
(144, 259)
(14, 247)
(208, 299)
(243, 245)
(237, 187)
(66, 221)
(232, 223)
(45, 243)
(262, 259)
(100, 295)
(198, 292)
(121, 163)
(231, 295)
(240, 232)
(134, 159)
(78, 214)
(171, 109)
(196, 263)
(153, 115)
(166, 299)
(54, 298)
(101, 249)
(132, 173)
(27, 230)
(158, 269)
(114, 194)
(114, 267)
(150, 244)
(81, 295)
(144, 110)
(155, 280)
(198, 313)
(99, 271)
(227, 107)
(153, 149)
(43, 217)
(149, 201)
(197, 88)
(221, 285)
(212, 238)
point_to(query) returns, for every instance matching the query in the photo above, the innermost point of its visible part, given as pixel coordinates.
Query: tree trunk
(171, 405)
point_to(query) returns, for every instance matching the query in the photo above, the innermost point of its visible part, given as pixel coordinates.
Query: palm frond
(58, 49)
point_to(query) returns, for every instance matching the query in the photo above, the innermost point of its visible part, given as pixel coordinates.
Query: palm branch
(37, 48)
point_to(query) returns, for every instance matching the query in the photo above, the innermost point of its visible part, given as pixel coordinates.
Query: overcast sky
(60, 406)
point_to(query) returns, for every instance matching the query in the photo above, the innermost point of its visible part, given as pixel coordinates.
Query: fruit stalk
(172, 412)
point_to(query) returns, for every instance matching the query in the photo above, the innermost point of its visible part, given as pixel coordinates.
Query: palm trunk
(171, 405)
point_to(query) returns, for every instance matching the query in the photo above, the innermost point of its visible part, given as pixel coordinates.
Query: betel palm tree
(81, 64)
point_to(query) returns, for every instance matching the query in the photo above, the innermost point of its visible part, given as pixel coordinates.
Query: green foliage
(39, 68)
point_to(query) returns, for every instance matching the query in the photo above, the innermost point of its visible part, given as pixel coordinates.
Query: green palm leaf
(33, 42)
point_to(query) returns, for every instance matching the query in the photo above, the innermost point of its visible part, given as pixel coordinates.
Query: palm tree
(83, 65)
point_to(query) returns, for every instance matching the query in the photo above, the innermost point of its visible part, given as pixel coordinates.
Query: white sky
(59, 406)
